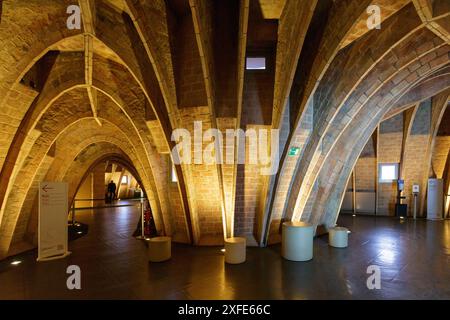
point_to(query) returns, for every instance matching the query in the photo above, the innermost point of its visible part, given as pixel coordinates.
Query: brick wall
(390, 148)
(99, 187)
(440, 155)
(366, 167)
(442, 145)
(227, 171)
(204, 184)
(249, 184)
(415, 166)
(258, 93)
(188, 68)
(288, 168)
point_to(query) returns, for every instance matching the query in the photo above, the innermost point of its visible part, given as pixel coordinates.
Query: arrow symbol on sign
(45, 188)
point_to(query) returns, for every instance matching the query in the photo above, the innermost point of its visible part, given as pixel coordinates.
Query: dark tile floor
(414, 257)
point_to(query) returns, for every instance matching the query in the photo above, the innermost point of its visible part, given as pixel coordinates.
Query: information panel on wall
(52, 229)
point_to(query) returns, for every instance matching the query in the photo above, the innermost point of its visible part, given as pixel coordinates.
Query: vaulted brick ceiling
(137, 70)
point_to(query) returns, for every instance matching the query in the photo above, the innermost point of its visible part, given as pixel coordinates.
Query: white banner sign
(53, 209)
(435, 199)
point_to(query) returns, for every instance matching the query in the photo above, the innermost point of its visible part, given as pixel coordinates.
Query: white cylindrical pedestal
(435, 202)
(159, 249)
(338, 237)
(235, 250)
(297, 241)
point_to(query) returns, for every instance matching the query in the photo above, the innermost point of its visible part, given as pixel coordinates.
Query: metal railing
(73, 208)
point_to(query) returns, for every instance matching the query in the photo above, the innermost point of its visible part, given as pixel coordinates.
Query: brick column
(99, 188)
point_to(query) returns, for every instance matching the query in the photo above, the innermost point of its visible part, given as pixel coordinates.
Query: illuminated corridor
(241, 149)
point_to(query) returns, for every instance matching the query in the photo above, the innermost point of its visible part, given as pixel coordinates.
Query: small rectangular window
(124, 180)
(388, 172)
(256, 63)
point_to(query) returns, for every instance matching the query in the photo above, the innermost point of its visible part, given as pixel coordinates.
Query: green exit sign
(294, 151)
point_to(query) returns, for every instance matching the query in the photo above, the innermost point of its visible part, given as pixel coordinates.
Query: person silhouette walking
(111, 191)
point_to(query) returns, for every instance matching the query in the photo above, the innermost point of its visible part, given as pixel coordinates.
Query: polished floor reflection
(414, 257)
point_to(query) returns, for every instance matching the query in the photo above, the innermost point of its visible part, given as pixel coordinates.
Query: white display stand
(235, 250)
(52, 225)
(338, 237)
(159, 249)
(435, 201)
(297, 241)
